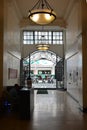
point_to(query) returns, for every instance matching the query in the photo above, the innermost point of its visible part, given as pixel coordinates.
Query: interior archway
(42, 69)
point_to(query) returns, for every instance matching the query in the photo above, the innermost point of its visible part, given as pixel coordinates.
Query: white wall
(74, 54)
(11, 52)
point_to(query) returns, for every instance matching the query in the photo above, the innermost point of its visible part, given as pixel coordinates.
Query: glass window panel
(50, 42)
(46, 37)
(28, 33)
(31, 33)
(61, 42)
(27, 42)
(27, 37)
(49, 37)
(60, 37)
(39, 33)
(57, 42)
(46, 33)
(54, 33)
(36, 33)
(54, 42)
(35, 36)
(39, 37)
(61, 33)
(54, 37)
(24, 36)
(57, 37)
(42, 33)
(36, 41)
(58, 33)
(24, 33)
(32, 42)
(46, 42)
(24, 42)
(31, 37)
(50, 33)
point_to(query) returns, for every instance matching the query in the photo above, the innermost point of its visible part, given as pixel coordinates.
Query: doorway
(46, 70)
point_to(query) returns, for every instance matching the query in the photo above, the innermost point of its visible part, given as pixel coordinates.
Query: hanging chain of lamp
(42, 13)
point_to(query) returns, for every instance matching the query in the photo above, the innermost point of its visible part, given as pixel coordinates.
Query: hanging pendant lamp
(42, 13)
(42, 46)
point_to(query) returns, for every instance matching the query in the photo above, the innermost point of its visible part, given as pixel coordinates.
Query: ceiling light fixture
(42, 13)
(42, 47)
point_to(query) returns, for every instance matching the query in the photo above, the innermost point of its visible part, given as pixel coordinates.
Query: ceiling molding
(70, 6)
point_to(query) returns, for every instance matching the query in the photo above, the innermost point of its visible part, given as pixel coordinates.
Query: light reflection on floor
(44, 85)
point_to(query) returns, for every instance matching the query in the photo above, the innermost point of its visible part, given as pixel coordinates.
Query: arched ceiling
(39, 55)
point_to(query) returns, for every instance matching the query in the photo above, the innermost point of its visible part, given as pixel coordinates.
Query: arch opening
(43, 66)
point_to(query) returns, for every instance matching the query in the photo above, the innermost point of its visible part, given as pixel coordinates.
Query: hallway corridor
(53, 111)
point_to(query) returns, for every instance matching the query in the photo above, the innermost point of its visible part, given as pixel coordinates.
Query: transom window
(46, 37)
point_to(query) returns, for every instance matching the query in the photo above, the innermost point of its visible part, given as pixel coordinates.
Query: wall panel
(11, 52)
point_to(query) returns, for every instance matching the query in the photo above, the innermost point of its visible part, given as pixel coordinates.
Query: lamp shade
(42, 13)
(42, 47)
(42, 16)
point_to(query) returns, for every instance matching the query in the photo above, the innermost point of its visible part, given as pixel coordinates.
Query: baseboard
(51, 89)
(73, 97)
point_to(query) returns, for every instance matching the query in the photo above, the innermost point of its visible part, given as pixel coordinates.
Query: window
(46, 37)
(57, 38)
(28, 37)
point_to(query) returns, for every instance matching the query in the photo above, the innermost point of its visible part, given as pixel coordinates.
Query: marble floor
(53, 111)
(44, 85)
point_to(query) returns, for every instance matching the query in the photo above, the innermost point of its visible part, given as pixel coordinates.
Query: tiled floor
(44, 85)
(53, 111)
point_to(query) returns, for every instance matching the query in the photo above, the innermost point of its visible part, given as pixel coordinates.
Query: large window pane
(46, 37)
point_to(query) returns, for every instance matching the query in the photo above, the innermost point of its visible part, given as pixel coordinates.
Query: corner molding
(69, 8)
(19, 58)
